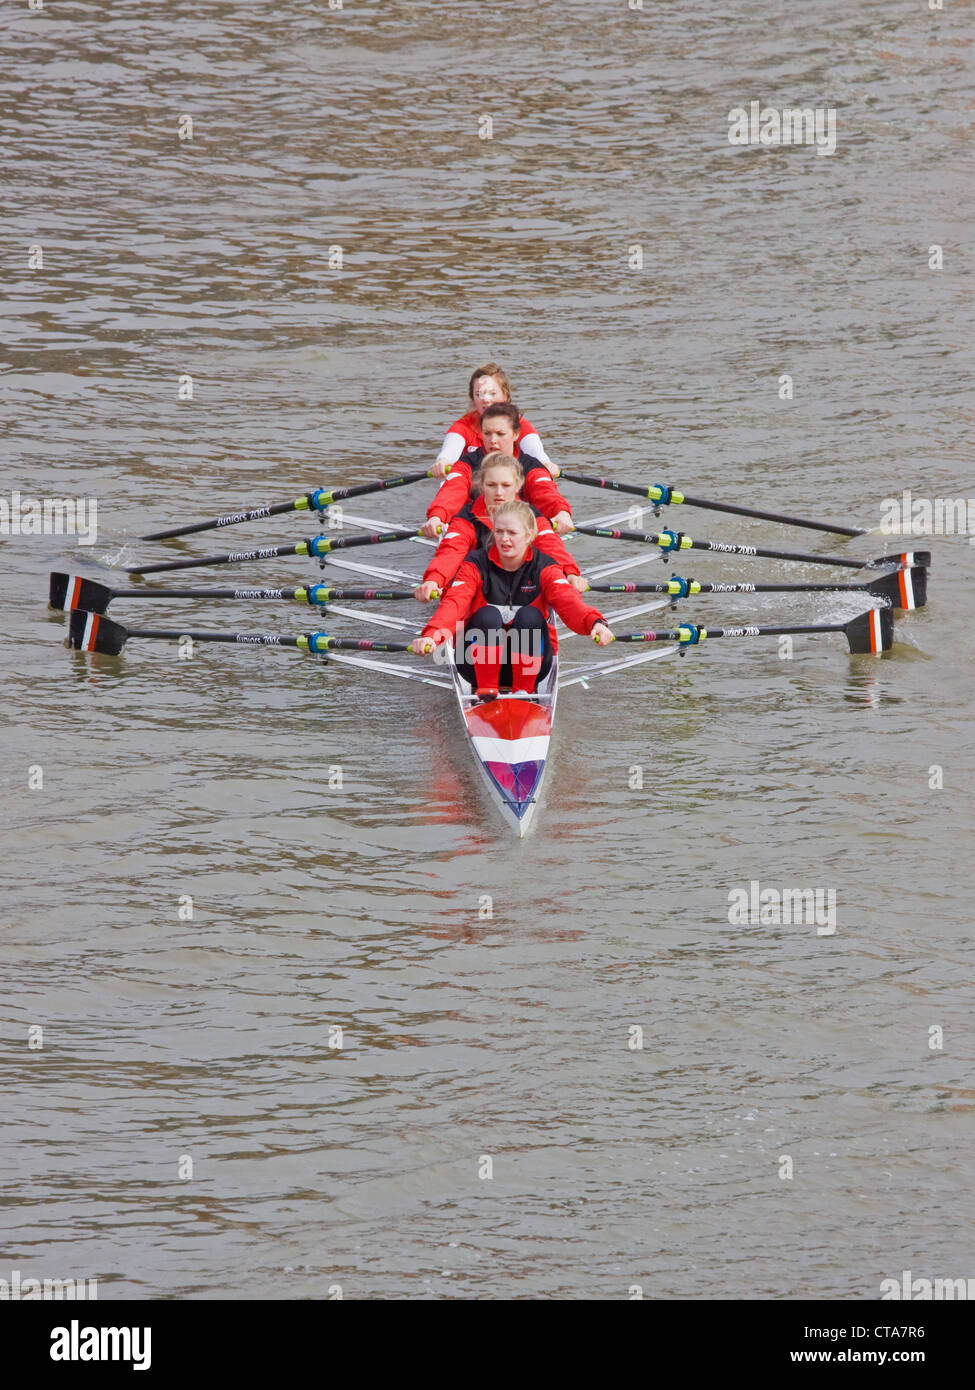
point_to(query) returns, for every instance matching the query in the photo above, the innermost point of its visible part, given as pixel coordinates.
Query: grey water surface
(798, 1120)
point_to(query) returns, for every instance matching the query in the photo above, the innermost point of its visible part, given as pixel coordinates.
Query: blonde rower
(500, 603)
(499, 480)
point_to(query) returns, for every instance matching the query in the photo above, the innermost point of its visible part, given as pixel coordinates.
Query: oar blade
(910, 559)
(905, 589)
(872, 632)
(92, 632)
(71, 591)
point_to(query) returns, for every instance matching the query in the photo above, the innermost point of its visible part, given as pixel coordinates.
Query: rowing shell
(510, 739)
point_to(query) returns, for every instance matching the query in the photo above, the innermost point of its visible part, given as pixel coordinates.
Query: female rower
(499, 479)
(497, 609)
(500, 431)
(488, 386)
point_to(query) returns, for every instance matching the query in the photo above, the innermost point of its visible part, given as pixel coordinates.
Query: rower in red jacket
(499, 432)
(488, 386)
(497, 611)
(499, 480)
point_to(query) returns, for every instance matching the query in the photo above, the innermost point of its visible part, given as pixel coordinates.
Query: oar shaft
(307, 641)
(675, 541)
(232, 519)
(323, 593)
(311, 593)
(315, 500)
(681, 588)
(210, 593)
(318, 545)
(830, 527)
(691, 633)
(257, 639)
(235, 557)
(664, 495)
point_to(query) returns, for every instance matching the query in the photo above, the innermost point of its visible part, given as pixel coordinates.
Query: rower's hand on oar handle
(562, 522)
(553, 468)
(432, 528)
(578, 583)
(423, 646)
(440, 469)
(601, 635)
(426, 592)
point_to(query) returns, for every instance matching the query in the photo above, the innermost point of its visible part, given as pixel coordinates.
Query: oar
(872, 631)
(903, 589)
(676, 540)
(91, 632)
(664, 496)
(316, 500)
(71, 591)
(318, 545)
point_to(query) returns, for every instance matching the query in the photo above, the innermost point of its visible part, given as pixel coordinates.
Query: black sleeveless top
(514, 588)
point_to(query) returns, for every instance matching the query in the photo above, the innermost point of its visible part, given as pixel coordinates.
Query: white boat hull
(510, 739)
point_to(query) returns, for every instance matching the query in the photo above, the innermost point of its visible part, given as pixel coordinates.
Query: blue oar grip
(316, 645)
(670, 540)
(693, 634)
(683, 586)
(319, 499)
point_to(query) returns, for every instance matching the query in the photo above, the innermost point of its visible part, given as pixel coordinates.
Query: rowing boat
(510, 737)
(510, 734)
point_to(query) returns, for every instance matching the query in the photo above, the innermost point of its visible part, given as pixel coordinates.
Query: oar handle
(353, 644)
(339, 494)
(323, 545)
(325, 593)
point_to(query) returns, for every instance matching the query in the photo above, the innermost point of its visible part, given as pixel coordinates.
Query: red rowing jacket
(539, 488)
(538, 581)
(472, 529)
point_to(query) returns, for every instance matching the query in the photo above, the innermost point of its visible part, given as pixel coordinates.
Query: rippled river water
(562, 1071)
